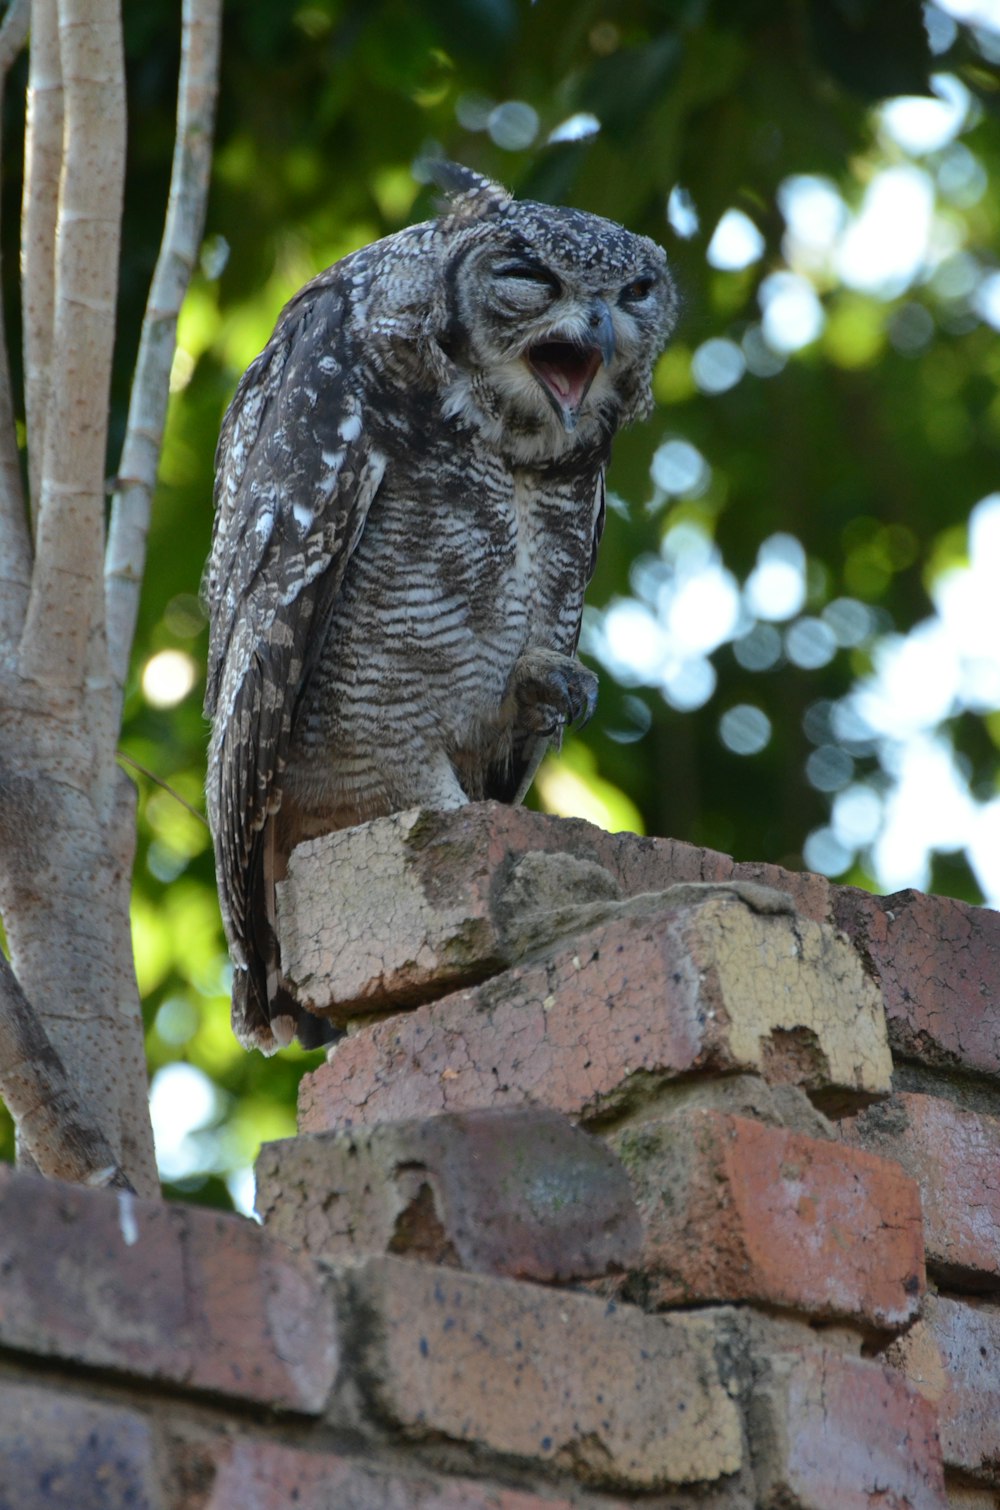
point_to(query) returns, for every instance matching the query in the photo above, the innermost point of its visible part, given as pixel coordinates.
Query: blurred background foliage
(797, 629)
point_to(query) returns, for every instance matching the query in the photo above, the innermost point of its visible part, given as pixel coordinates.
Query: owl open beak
(566, 369)
(565, 372)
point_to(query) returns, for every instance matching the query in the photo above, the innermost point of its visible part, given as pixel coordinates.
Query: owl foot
(551, 691)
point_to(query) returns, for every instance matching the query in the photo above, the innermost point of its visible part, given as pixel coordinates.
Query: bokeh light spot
(744, 729)
(168, 677)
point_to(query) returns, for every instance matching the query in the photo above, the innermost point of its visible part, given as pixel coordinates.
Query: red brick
(61, 1451)
(937, 962)
(268, 1476)
(735, 1210)
(440, 886)
(523, 1193)
(951, 1357)
(708, 985)
(834, 1433)
(954, 1156)
(608, 1394)
(164, 1292)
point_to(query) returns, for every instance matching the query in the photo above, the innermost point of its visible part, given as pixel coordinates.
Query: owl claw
(552, 691)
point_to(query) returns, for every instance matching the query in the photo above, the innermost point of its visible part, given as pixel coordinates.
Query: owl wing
(295, 478)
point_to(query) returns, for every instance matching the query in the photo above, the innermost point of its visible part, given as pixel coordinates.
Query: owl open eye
(637, 290)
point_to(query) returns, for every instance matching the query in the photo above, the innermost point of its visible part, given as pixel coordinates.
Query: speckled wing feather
(296, 475)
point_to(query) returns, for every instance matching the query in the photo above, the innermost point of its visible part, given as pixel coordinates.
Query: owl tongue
(565, 372)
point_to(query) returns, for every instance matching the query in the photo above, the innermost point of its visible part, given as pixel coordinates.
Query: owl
(409, 499)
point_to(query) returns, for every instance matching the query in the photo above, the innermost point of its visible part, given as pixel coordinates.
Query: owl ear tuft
(469, 196)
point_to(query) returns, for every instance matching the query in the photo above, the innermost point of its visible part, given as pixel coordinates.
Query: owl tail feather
(270, 1025)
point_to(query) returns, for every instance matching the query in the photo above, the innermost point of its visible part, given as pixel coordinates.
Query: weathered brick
(735, 1210)
(835, 1433)
(606, 1393)
(267, 1476)
(165, 1292)
(420, 903)
(411, 906)
(523, 1193)
(937, 962)
(954, 1156)
(951, 1357)
(705, 985)
(61, 1451)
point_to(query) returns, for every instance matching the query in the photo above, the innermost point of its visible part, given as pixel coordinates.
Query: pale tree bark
(67, 812)
(42, 165)
(130, 511)
(63, 1136)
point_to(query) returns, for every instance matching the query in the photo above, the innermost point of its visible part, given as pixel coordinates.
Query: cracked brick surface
(706, 985)
(178, 1294)
(735, 1210)
(836, 1433)
(420, 903)
(950, 1356)
(954, 1156)
(522, 1193)
(937, 962)
(607, 1394)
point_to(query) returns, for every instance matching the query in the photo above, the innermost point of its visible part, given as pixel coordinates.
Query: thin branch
(64, 628)
(15, 543)
(159, 781)
(39, 208)
(185, 220)
(53, 1125)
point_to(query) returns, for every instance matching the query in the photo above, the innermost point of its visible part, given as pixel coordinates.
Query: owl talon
(552, 691)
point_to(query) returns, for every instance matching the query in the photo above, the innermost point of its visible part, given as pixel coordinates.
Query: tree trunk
(71, 1032)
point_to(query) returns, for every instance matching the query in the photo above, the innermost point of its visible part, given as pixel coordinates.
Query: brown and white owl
(409, 499)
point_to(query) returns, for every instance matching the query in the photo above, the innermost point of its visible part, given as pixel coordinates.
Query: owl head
(553, 318)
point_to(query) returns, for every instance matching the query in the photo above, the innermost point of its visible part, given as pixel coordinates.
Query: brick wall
(641, 1178)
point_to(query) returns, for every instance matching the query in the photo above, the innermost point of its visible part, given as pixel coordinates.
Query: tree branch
(189, 180)
(39, 207)
(64, 628)
(53, 1125)
(15, 544)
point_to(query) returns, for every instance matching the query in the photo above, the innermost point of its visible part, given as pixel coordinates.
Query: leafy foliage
(867, 444)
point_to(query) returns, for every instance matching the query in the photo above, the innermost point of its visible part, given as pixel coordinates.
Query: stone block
(737, 1211)
(837, 1433)
(62, 1451)
(522, 1193)
(707, 984)
(540, 1376)
(951, 1356)
(937, 963)
(954, 1156)
(177, 1294)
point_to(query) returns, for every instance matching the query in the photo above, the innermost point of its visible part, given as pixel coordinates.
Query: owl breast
(463, 564)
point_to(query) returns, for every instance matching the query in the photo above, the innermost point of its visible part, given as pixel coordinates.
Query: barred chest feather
(462, 565)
